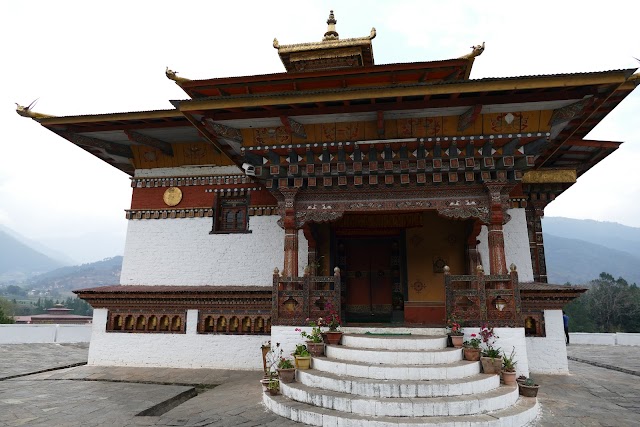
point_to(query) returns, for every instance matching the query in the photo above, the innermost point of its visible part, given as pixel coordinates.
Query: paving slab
(619, 356)
(112, 396)
(20, 359)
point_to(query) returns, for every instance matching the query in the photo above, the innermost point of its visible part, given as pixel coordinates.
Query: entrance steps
(408, 380)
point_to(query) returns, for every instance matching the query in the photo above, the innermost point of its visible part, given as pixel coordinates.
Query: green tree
(610, 305)
(6, 311)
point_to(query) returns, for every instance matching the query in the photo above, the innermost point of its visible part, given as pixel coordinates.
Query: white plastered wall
(181, 252)
(516, 245)
(189, 350)
(548, 355)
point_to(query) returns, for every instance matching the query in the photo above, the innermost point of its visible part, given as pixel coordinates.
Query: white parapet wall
(189, 350)
(548, 355)
(181, 252)
(508, 340)
(31, 334)
(593, 338)
(516, 245)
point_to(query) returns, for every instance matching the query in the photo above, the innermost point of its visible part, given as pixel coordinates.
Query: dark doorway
(371, 268)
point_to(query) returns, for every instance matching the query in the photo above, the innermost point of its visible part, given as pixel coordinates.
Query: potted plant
(286, 370)
(528, 388)
(333, 335)
(274, 386)
(314, 342)
(302, 356)
(455, 332)
(491, 358)
(509, 368)
(471, 348)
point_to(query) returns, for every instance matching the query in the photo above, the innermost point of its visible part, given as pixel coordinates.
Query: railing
(481, 299)
(296, 299)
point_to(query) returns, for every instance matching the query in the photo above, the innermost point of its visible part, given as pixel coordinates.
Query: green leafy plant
(473, 342)
(489, 339)
(316, 332)
(301, 351)
(274, 384)
(285, 363)
(508, 362)
(530, 383)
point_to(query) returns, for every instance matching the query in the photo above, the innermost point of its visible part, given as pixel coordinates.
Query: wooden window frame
(234, 205)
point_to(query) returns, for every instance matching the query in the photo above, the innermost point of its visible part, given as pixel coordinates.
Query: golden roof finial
(173, 75)
(477, 51)
(28, 112)
(331, 33)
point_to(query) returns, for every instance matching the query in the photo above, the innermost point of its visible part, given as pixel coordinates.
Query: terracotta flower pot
(528, 390)
(273, 391)
(472, 354)
(287, 375)
(457, 340)
(315, 348)
(491, 365)
(509, 378)
(303, 362)
(332, 337)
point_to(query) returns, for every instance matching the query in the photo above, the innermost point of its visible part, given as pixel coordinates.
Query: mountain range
(577, 251)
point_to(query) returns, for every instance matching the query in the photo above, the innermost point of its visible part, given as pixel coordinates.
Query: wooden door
(369, 279)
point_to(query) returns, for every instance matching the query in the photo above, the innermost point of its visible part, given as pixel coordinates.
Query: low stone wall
(618, 338)
(29, 334)
(189, 350)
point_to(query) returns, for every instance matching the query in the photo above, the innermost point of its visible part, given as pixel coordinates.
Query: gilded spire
(331, 33)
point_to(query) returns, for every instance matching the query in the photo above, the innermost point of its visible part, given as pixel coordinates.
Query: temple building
(402, 194)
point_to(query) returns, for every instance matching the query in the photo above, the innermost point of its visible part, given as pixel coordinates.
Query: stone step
(395, 342)
(393, 388)
(394, 357)
(453, 370)
(480, 403)
(522, 412)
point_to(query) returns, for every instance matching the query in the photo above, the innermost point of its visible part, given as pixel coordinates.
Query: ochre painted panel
(438, 238)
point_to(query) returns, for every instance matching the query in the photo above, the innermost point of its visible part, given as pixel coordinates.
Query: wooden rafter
(86, 141)
(150, 141)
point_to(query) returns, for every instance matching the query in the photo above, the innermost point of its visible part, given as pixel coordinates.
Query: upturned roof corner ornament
(28, 112)
(476, 51)
(173, 75)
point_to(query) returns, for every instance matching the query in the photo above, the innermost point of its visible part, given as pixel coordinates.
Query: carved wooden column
(497, 258)
(290, 233)
(534, 213)
(312, 266)
(473, 255)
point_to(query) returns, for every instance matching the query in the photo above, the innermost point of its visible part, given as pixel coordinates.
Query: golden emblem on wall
(172, 196)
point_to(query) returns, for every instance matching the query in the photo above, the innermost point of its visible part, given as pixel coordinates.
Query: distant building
(58, 314)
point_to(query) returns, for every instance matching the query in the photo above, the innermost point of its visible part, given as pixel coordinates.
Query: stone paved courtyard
(99, 396)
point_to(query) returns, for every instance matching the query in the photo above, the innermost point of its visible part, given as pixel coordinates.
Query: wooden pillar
(290, 233)
(534, 212)
(497, 258)
(312, 263)
(473, 255)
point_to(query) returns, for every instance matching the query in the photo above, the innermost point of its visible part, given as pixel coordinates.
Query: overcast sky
(88, 57)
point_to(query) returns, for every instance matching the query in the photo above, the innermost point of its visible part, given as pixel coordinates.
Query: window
(230, 216)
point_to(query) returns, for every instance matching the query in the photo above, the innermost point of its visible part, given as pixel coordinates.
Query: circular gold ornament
(172, 196)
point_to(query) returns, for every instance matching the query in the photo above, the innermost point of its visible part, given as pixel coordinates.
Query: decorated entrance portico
(391, 207)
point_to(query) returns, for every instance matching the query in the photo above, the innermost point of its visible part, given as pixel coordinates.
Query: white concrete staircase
(399, 380)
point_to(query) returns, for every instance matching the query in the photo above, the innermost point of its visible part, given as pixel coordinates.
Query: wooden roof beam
(150, 141)
(593, 143)
(86, 141)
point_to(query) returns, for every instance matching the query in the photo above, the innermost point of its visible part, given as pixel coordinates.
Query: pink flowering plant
(488, 340)
(316, 331)
(333, 319)
(454, 326)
